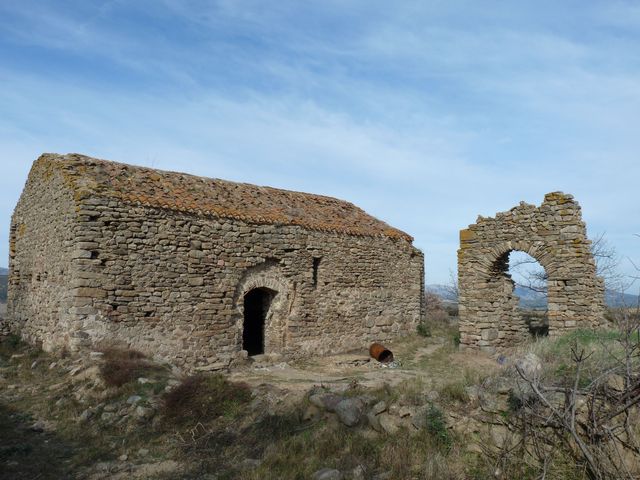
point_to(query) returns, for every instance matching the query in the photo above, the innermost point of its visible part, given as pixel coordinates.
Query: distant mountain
(619, 299)
(4, 279)
(4, 271)
(445, 292)
(536, 300)
(530, 299)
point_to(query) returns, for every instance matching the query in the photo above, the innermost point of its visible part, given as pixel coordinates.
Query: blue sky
(424, 113)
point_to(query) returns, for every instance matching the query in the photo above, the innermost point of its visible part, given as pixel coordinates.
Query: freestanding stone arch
(555, 235)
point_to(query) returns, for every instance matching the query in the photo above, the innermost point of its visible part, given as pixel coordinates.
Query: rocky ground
(113, 414)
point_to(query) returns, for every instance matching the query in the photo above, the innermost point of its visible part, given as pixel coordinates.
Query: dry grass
(122, 366)
(200, 398)
(404, 456)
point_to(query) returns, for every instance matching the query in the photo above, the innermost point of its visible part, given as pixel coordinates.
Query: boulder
(389, 424)
(143, 413)
(358, 473)
(350, 411)
(249, 463)
(379, 407)
(311, 413)
(419, 418)
(326, 401)
(374, 422)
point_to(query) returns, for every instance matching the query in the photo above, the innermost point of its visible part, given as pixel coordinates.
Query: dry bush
(200, 398)
(581, 410)
(452, 309)
(432, 302)
(123, 365)
(436, 314)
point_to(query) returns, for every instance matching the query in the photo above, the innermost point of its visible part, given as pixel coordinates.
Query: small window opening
(316, 267)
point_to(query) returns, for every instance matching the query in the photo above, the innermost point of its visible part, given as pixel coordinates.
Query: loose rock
(327, 474)
(389, 424)
(349, 411)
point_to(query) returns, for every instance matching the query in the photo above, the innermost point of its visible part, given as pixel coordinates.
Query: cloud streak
(425, 115)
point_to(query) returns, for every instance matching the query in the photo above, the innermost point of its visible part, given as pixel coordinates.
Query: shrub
(423, 329)
(452, 309)
(437, 427)
(432, 301)
(199, 398)
(13, 341)
(123, 365)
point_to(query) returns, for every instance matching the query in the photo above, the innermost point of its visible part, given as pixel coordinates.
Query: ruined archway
(553, 234)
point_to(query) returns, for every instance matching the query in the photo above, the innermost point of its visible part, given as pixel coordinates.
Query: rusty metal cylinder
(380, 353)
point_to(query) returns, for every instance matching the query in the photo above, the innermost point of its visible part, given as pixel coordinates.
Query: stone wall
(172, 283)
(555, 235)
(40, 252)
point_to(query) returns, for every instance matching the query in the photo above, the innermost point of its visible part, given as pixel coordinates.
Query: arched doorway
(256, 308)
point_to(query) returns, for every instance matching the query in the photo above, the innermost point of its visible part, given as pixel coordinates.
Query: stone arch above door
(555, 235)
(267, 275)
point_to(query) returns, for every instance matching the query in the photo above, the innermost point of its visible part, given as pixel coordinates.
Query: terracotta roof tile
(213, 197)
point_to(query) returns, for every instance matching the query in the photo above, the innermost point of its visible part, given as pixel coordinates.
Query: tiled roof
(213, 197)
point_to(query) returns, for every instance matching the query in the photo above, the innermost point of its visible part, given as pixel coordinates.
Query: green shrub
(423, 329)
(437, 427)
(13, 341)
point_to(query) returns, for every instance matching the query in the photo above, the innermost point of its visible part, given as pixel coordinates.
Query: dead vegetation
(122, 365)
(577, 410)
(437, 315)
(479, 418)
(199, 397)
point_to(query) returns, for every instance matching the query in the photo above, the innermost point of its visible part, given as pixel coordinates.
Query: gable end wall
(41, 249)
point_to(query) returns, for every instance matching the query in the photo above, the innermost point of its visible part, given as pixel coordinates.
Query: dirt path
(432, 361)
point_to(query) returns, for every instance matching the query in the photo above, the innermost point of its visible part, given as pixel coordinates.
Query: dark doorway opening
(256, 307)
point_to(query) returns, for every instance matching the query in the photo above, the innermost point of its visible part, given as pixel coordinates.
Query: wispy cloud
(425, 115)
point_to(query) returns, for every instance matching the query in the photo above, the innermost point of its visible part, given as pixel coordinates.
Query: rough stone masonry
(555, 235)
(196, 270)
